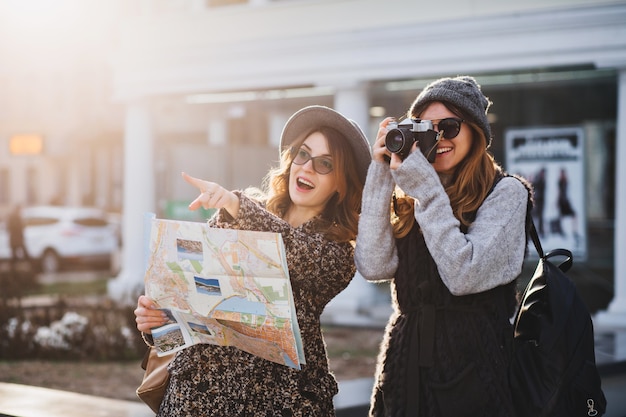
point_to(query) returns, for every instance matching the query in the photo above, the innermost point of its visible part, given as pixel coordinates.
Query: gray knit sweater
(490, 254)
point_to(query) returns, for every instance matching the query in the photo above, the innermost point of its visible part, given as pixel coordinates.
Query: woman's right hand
(213, 195)
(148, 316)
(380, 152)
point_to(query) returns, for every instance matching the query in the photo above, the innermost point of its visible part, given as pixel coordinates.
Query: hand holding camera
(401, 136)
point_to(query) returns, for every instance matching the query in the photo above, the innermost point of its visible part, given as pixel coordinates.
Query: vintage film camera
(401, 136)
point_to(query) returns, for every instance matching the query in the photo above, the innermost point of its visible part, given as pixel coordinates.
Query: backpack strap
(532, 231)
(533, 234)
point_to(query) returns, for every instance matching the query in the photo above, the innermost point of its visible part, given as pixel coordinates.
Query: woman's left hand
(148, 315)
(212, 195)
(379, 149)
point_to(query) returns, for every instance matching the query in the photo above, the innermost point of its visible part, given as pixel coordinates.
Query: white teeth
(305, 182)
(442, 150)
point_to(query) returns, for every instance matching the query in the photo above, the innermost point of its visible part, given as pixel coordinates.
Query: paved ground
(27, 401)
(594, 284)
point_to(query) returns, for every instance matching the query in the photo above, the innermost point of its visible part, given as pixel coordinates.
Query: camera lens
(394, 141)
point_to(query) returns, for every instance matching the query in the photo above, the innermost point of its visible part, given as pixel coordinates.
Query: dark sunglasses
(450, 127)
(321, 164)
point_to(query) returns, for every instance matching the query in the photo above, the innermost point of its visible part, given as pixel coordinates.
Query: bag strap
(533, 234)
(564, 265)
(530, 224)
(567, 263)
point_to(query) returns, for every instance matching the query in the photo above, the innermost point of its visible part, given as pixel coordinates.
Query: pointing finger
(196, 182)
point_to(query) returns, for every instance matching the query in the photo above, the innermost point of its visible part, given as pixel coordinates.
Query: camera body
(401, 136)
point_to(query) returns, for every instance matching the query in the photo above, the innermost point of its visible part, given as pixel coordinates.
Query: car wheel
(50, 261)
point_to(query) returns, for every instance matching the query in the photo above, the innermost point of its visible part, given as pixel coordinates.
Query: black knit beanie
(464, 93)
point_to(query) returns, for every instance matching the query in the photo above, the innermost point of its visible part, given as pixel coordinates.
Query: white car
(58, 235)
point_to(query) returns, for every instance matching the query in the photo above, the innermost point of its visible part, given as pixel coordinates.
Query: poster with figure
(552, 160)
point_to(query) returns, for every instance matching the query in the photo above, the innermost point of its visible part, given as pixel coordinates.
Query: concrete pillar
(74, 182)
(277, 121)
(615, 316)
(361, 303)
(197, 5)
(139, 192)
(102, 178)
(18, 181)
(217, 133)
(352, 100)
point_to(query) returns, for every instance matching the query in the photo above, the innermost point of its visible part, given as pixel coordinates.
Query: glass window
(40, 221)
(4, 186)
(220, 3)
(91, 222)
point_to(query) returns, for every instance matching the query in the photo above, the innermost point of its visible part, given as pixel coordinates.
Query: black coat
(443, 355)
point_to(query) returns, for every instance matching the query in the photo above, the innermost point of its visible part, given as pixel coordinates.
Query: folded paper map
(222, 287)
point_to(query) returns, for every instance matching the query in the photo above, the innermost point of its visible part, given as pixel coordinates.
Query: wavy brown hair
(470, 183)
(340, 218)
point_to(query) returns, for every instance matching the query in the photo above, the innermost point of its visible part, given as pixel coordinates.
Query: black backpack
(553, 370)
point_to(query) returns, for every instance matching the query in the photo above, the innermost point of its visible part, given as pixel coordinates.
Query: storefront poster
(552, 160)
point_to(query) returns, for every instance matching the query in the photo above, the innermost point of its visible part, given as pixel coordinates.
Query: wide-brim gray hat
(317, 116)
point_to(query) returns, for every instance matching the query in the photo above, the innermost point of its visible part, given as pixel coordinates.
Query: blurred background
(104, 103)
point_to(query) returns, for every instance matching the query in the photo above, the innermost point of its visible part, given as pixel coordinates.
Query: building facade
(205, 86)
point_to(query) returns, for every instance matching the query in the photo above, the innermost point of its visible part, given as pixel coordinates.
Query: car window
(39, 221)
(91, 222)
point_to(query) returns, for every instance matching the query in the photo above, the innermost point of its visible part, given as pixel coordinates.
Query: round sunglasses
(321, 164)
(450, 127)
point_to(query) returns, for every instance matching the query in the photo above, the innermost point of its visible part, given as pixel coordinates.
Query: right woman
(452, 251)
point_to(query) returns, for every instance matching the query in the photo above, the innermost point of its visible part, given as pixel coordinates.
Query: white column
(17, 181)
(361, 303)
(74, 180)
(103, 176)
(277, 121)
(615, 316)
(197, 6)
(217, 133)
(138, 199)
(352, 100)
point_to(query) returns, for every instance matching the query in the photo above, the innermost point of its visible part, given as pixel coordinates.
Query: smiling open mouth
(302, 183)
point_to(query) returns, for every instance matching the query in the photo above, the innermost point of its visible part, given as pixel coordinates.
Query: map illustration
(222, 287)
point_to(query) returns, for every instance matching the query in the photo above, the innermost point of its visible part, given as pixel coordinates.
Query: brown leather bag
(155, 379)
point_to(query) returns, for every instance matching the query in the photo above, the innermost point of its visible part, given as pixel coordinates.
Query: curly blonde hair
(471, 181)
(340, 218)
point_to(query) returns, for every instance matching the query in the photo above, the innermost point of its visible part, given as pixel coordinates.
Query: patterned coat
(208, 380)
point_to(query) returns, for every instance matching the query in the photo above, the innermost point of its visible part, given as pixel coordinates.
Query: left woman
(313, 200)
